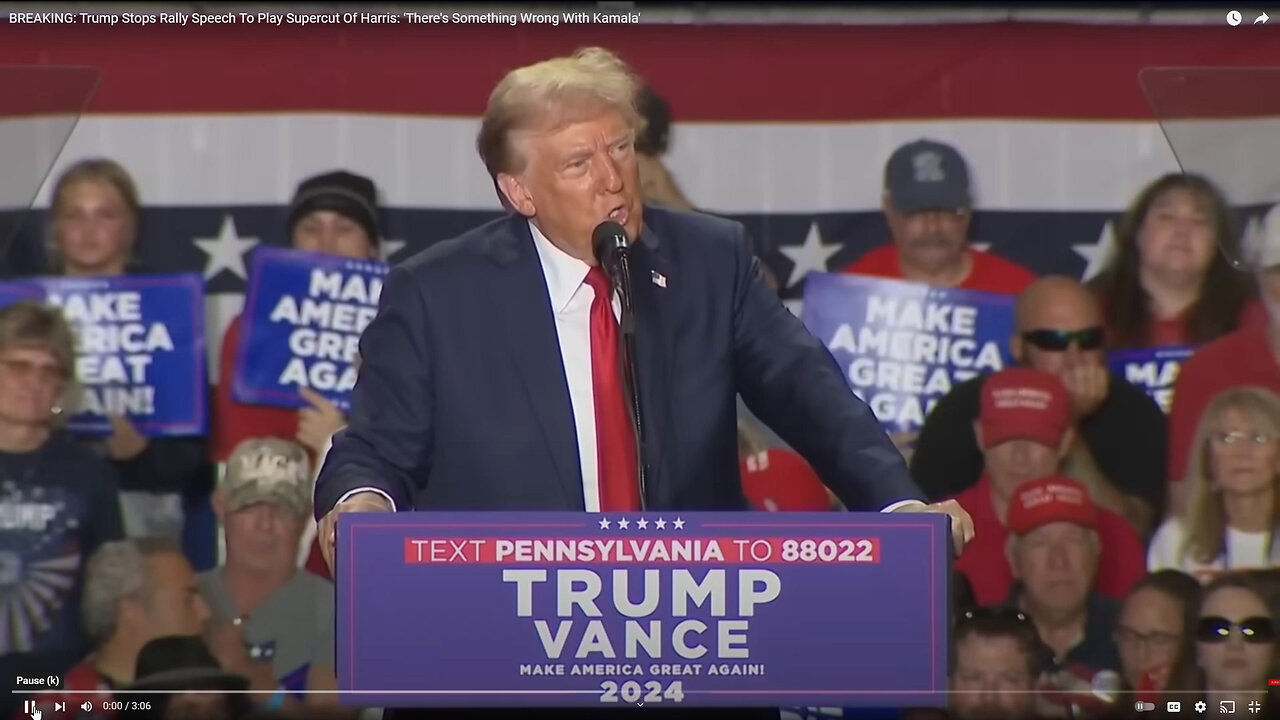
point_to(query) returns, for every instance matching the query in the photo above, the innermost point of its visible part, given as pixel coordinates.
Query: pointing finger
(313, 397)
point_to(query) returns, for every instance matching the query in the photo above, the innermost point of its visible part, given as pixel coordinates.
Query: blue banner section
(140, 348)
(19, 290)
(1154, 370)
(664, 609)
(905, 345)
(303, 316)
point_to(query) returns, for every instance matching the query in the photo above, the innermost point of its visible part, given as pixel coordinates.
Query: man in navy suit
(490, 377)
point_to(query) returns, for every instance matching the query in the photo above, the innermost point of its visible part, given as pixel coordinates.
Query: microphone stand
(622, 279)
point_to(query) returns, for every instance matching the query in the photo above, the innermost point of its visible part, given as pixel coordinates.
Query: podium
(656, 609)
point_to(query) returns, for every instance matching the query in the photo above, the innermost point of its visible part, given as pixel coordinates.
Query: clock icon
(1233, 18)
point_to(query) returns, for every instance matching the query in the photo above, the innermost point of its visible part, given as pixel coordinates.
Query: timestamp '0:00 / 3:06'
(122, 705)
(633, 692)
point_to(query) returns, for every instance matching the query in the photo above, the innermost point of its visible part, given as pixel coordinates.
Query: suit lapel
(534, 349)
(651, 273)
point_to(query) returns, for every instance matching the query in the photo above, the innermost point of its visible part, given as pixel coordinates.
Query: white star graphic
(390, 248)
(812, 256)
(660, 524)
(604, 523)
(642, 524)
(623, 524)
(678, 524)
(1096, 254)
(226, 252)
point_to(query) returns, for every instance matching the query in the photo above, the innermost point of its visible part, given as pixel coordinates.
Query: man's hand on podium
(327, 530)
(961, 523)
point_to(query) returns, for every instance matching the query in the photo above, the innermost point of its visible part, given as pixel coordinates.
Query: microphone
(609, 243)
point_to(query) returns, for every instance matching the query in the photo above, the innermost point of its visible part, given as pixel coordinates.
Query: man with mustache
(928, 208)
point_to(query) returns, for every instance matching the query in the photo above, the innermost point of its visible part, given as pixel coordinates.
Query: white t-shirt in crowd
(1244, 551)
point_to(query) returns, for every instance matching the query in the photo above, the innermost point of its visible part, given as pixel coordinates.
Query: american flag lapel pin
(658, 278)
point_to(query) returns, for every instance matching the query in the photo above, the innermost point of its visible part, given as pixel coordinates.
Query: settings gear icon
(1201, 707)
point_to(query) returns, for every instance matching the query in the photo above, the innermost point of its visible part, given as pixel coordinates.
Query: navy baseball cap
(927, 175)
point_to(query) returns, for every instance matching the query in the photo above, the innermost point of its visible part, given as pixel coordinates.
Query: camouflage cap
(268, 470)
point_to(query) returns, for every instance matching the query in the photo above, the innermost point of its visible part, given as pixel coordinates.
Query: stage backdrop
(784, 128)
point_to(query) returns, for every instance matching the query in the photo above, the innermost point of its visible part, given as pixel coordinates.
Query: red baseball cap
(1023, 404)
(1052, 499)
(781, 480)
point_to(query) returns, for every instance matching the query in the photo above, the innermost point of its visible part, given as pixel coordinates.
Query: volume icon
(86, 706)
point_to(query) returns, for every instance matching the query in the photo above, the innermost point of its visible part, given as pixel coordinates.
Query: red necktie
(615, 436)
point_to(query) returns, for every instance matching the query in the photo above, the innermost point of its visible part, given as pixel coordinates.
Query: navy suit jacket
(462, 402)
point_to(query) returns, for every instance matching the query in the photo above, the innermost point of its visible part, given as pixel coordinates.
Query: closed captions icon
(1234, 18)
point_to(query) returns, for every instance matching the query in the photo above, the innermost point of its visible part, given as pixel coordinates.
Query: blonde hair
(98, 170)
(552, 94)
(1205, 519)
(29, 324)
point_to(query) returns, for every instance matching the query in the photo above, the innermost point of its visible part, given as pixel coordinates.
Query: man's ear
(977, 433)
(1017, 350)
(128, 613)
(517, 194)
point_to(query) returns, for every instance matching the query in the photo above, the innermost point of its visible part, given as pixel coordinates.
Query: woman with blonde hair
(58, 502)
(95, 216)
(1234, 508)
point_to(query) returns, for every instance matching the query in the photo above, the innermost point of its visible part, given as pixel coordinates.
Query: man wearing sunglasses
(1054, 550)
(1119, 441)
(1024, 428)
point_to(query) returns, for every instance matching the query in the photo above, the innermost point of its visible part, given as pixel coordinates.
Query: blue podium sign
(566, 609)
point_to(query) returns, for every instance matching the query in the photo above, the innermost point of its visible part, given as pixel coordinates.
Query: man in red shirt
(1024, 430)
(928, 207)
(1248, 356)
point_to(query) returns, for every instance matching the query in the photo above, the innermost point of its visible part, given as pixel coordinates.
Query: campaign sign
(904, 345)
(303, 316)
(19, 290)
(1154, 370)
(569, 609)
(140, 348)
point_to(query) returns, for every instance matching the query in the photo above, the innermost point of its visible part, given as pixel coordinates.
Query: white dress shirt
(571, 299)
